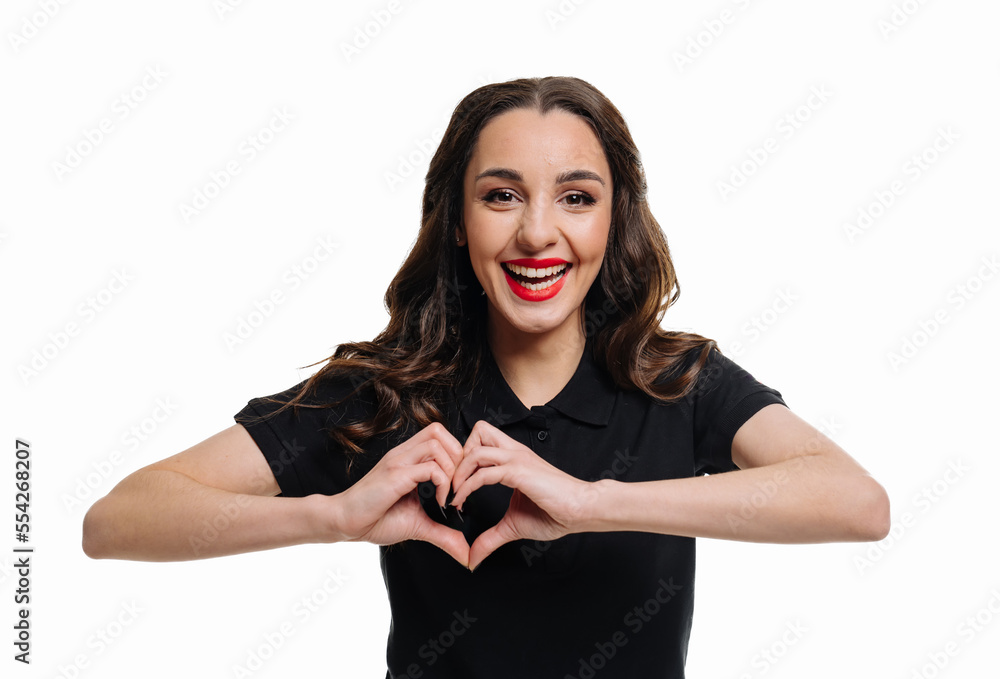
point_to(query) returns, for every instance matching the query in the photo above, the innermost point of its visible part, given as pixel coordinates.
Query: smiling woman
(536, 184)
(523, 384)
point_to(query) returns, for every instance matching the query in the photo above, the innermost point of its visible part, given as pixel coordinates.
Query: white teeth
(538, 273)
(535, 273)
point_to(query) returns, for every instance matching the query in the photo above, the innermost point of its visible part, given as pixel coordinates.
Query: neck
(536, 366)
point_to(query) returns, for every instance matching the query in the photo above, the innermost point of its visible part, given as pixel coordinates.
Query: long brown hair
(435, 338)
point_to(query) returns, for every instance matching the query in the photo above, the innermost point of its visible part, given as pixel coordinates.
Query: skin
(537, 345)
(822, 494)
(815, 492)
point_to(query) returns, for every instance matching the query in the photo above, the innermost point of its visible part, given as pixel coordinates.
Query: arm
(794, 485)
(218, 498)
(213, 499)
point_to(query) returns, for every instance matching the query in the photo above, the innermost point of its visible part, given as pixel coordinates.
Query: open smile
(536, 280)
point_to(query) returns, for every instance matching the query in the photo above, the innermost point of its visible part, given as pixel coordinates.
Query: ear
(460, 236)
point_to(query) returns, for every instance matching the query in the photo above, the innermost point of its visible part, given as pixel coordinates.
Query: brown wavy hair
(435, 338)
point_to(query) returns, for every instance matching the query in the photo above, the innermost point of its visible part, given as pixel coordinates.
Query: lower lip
(535, 295)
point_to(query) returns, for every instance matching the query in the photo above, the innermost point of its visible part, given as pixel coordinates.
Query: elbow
(872, 520)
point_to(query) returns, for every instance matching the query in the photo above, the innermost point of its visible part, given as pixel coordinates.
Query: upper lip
(537, 263)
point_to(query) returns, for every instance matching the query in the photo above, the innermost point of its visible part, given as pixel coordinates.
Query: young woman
(573, 448)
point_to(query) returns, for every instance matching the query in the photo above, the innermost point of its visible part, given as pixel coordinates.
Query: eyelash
(586, 197)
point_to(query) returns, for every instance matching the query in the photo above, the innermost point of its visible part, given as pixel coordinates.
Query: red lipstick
(529, 295)
(538, 263)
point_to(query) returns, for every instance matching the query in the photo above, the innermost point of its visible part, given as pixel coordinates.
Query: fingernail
(461, 518)
(442, 511)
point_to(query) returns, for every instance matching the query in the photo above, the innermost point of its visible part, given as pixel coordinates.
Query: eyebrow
(564, 177)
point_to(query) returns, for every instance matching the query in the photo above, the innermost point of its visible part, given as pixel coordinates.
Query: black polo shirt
(606, 605)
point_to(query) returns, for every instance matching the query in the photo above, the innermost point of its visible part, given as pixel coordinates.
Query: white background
(895, 76)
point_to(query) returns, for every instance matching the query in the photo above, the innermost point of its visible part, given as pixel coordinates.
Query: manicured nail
(442, 511)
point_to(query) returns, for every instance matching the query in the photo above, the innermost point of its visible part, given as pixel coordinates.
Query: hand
(547, 502)
(383, 507)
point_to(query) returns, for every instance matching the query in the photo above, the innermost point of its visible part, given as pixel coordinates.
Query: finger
(453, 542)
(432, 432)
(483, 456)
(489, 541)
(440, 439)
(430, 470)
(479, 430)
(430, 451)
(485, 434)
(437, 453)
(437, 432)
(451, 445)
(483, 476)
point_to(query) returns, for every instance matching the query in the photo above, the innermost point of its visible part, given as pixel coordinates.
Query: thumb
(450, 540)
(489, 541)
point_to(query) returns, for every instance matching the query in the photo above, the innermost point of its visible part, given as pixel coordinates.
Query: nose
(538, 228)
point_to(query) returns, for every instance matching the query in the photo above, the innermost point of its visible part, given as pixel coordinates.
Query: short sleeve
(724, 397)
(296, 442)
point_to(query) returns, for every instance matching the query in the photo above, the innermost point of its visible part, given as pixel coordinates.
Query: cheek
(486, 237)
(596, 240)
(482, 257)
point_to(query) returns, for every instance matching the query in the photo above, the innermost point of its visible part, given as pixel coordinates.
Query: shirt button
(542, 435)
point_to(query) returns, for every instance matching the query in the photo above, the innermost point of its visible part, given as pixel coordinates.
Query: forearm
(161, 515)
(805, 499)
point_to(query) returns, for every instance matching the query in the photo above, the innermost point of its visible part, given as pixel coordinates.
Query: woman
(523, 384)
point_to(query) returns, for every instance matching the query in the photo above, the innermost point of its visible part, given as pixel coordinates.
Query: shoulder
(333, 398)
(726, 394)
(719, 371)
(720, 388)
(296, 438)
(722, 399)
(723, 378)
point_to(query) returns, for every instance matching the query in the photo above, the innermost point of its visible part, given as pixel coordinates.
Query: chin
(535, 323)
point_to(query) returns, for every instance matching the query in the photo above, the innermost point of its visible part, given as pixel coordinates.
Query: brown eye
(499, 196)
(579, 199)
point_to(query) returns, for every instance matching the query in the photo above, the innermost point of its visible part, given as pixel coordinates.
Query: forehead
(525, 140)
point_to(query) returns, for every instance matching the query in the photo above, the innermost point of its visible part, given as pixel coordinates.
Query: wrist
(595, 504)
(325, 516)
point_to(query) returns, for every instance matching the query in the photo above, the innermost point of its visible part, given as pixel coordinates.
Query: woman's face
(536, 216)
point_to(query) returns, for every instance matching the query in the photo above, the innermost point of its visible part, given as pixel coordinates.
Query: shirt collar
(588, 397)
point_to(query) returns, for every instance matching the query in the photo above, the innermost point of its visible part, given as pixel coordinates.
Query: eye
(499, 196)
(580, 199)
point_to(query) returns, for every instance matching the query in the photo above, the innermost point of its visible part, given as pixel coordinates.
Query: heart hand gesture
(547, 503)
(383, 507)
